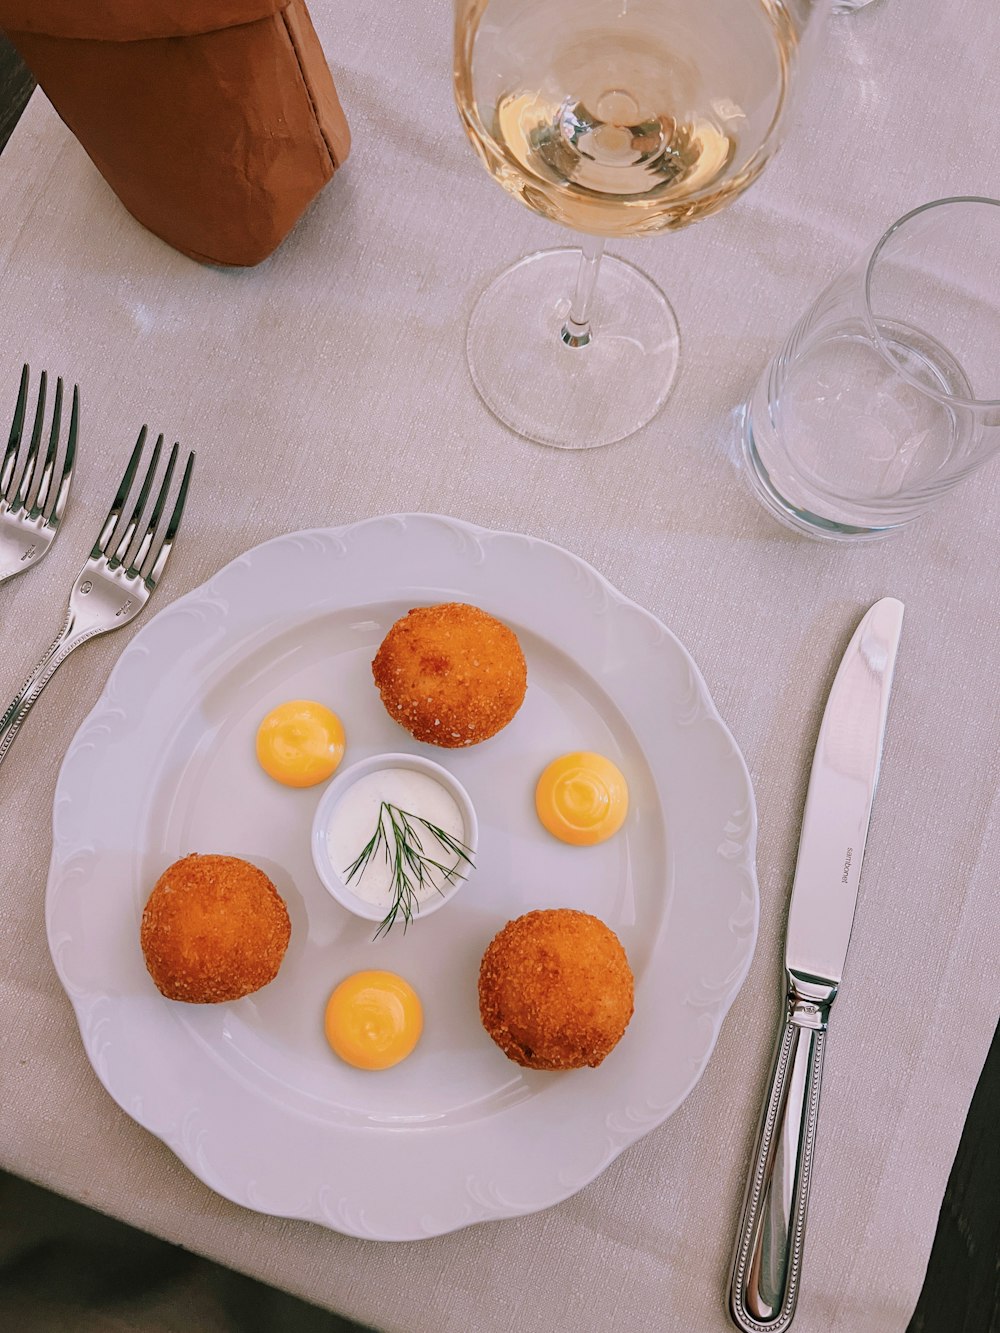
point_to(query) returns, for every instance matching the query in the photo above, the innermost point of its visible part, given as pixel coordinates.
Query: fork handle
(54, 656)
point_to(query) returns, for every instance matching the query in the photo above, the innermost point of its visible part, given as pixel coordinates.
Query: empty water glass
(886, 394)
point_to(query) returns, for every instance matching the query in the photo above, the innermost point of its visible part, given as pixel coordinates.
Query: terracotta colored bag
(214, 123)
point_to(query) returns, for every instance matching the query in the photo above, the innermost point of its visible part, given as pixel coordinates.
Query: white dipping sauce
(355, 817)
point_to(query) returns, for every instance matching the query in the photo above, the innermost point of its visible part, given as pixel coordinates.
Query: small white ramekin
(327, 871)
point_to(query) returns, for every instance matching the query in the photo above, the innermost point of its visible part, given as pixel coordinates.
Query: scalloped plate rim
(105, 704)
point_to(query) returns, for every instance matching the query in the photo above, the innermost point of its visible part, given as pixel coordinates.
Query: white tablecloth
(330, 384)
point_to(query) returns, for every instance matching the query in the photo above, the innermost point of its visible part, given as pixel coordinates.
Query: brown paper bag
(214, 123)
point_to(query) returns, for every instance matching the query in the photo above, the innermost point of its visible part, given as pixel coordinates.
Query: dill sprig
(412, 867)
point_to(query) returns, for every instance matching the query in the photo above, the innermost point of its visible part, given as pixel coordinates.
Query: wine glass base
(572, 397)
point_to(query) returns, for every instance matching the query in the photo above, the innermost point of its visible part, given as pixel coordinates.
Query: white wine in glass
(614, 118)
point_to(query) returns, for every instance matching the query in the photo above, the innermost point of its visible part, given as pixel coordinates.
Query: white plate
(248, 1094)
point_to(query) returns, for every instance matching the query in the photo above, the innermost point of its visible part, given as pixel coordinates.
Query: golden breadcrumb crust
(214, 929)
(555, 990)
(451, 674)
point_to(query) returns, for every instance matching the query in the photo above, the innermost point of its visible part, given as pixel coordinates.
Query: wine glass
(614, 118)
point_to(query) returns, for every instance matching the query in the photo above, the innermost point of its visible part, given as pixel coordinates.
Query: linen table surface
(330, 384)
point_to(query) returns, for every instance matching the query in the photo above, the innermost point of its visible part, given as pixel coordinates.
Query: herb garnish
(412, 868)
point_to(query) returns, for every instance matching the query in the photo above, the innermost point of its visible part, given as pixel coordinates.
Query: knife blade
(767, 1262)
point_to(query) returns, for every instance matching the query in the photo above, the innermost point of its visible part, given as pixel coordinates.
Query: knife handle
(768, 1256)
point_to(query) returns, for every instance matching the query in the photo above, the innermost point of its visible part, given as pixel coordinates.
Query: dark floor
(65, 1269)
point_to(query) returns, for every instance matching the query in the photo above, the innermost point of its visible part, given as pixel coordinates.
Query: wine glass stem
(576, 331)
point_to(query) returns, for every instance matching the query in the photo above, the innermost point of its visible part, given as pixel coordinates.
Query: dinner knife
(767, 1263)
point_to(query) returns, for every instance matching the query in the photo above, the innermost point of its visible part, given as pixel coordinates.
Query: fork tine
(27, 476)
(147, 484)
(153, 577)
(154, 518)
(118, 504)
(14, 440)
(48, 467)
(56, 512)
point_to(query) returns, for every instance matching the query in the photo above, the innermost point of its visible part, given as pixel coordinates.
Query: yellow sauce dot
(373, 1020)
(582, 798)
(300, 743)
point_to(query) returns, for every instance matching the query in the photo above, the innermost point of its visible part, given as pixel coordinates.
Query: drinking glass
(613, 118)
(886, 394)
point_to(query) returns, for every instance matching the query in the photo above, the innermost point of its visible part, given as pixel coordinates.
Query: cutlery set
(129, 554)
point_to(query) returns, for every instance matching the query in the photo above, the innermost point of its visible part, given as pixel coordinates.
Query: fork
(116, 581)
(26, 534)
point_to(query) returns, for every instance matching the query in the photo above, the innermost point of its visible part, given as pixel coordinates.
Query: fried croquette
(555, 990)
(214, 929)
(451, 674)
